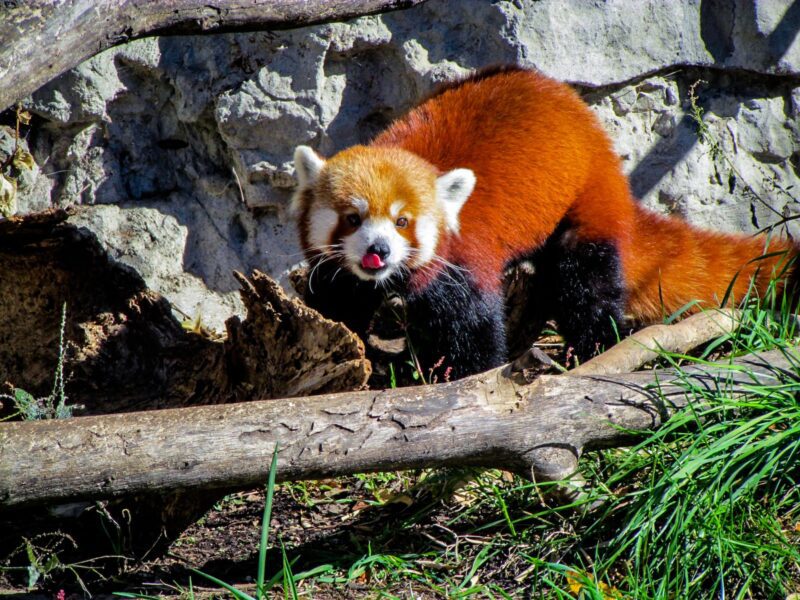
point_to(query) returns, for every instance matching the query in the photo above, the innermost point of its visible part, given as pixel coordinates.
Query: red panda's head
(377, 210)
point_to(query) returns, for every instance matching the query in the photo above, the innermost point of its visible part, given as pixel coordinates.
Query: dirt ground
(335, 522)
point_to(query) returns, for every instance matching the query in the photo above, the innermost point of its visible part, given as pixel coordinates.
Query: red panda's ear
(452, 190)
(308, 165)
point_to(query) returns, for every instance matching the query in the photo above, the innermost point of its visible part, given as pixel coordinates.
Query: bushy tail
(672, 265)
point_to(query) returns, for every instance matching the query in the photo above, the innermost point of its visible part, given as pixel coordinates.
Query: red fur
(539, 155)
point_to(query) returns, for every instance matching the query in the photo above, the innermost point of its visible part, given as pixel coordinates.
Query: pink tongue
(371, 261)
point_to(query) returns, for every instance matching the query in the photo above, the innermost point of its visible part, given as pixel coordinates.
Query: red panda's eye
(354, 220)
(402, 222)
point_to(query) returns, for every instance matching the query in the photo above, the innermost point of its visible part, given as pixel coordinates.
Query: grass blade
(238, 594)
(262, 548)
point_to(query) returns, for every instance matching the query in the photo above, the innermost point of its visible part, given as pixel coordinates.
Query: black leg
(590, 296)
(530, 299)
(457, 325)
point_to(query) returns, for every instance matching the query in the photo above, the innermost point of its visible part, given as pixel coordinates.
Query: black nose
(380, 247)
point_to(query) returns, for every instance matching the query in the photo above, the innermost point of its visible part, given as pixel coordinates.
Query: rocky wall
(183, 145)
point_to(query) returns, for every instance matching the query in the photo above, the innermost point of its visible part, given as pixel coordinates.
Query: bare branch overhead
(41, 39)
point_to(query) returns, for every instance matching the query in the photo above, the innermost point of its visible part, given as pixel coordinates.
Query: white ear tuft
(308, 165)
(452, 190)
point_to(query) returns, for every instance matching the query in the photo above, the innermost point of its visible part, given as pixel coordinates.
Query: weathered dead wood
(41, 39)
(125, 349)
(124, 346)
(491, 419)
(646, 344)
(284, 348)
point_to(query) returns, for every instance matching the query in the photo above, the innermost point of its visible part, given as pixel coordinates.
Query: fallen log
(494, 419)
(42, 39)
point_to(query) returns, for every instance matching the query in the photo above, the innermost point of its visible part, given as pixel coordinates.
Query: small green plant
(696, 112)
(54, 405)
(392, 377)
(43, 557)
(425, 374)
(262, 586)
(386, 487)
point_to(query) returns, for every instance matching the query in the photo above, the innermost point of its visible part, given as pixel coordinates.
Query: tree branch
(645, 345)
(494, 419)
(42, 38)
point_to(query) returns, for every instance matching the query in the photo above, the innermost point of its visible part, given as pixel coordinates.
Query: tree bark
(494, 419)
(43, 38)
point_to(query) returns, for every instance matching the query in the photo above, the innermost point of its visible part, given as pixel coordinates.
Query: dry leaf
(23, 160)
(575, 583)
(24, 117)
(387, 497)
(8, 196)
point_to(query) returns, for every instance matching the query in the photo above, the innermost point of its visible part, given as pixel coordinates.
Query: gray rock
(152, 244)
(191, 138)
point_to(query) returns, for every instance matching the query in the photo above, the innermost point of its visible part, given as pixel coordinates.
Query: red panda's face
(378, 211)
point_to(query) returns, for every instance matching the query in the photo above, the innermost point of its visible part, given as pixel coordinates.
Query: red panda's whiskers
(437, 259)
(323, 258)
(447, 263)
(320, 260)
(434, 267)
(326, 247)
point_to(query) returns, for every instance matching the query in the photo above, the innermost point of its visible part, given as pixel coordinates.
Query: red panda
(501, 167)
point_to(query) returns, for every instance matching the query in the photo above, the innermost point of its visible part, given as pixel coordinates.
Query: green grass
(710, 500)
(707, 506)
